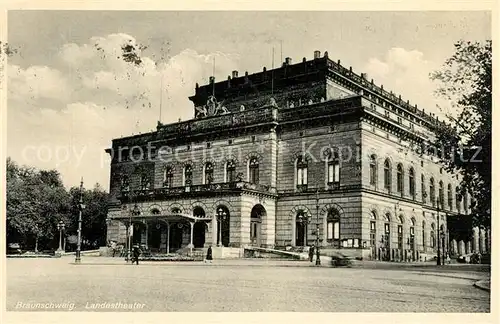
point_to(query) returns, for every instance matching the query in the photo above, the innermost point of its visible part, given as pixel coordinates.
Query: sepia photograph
(248, 161)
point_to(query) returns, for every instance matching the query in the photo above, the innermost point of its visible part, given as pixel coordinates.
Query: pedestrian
(113, 247)
(209, 255)
(311, 253)
(137, 253)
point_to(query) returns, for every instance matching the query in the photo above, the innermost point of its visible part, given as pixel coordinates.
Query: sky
(66, 100)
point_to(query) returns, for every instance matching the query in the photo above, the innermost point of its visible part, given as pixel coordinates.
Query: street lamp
(438, 232)
(60, 227)
(318, 261)
(81, 207)
(134, 212)
(221, 216)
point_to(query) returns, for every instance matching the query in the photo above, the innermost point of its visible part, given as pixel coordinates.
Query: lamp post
(81, 207)
(221, 216)
(134, 212)
(60, 227)
(438, 233)
(442, 233)
(318, 260)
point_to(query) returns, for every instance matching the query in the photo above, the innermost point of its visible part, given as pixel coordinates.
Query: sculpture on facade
(211, 108)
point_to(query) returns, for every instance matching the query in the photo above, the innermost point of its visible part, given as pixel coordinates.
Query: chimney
(317, 54)
(326, 54)
(211, 79)
(264, 69)
(235, 74)
(304, 60)
(288, 61)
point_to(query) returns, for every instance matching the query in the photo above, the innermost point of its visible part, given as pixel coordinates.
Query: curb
(483, 285)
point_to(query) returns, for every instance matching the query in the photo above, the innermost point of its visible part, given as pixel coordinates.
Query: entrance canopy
(170, 217)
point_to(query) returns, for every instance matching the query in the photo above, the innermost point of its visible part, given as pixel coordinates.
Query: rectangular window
(400, 237)
(333, 172)
(329, 231)
(372, 174)
(373, 234)
(337, 172)
(387, 228)
(336, 230)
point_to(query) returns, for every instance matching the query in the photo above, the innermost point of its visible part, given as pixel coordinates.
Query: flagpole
(213, 85)
(281, 50)
(161, 92)
(272, 75)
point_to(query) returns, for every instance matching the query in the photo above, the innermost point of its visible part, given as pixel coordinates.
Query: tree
(36, 202)
(93, 216)
(465, 80)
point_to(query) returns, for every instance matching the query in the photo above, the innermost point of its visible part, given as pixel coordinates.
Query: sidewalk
(483, 284)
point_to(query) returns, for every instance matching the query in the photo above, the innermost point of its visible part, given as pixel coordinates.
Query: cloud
(406, 73)
(97, 96)
(37, 82)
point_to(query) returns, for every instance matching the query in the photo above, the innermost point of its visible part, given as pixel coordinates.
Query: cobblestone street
(243, 285)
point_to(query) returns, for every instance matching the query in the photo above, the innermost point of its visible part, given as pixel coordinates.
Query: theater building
(282, 157)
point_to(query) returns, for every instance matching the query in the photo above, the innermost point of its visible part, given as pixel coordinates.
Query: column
(214, 231)
(475, 242)
(168, 237)
(146, 230)
(461, 247)
(191, 238)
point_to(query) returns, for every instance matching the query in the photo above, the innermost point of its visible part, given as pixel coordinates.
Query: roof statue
(211, 108)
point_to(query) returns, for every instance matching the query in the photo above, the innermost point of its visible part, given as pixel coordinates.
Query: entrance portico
(167, 232)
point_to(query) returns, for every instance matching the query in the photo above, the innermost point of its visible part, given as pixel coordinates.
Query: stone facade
(308, 152)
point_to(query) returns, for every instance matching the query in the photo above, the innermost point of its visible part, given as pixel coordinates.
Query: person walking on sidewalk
(311, 253)
(137, 253)
(209, 254)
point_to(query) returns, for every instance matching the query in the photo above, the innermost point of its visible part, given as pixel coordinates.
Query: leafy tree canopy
(465, 80)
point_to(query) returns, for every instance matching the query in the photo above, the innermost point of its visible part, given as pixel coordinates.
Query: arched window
(125, 185)
(423, 234)
(412, 234)
(466, 202)
(450, 197)
(411, 178)
(424, 191)
(333, 168)
(400, 232)
(188, 175)
(386, 238)
(399, 178)
(145, 183)
(301, 172)
(433, 237)
(432, 191)
(373, 229)
(373, 170)
(168, 177)
(230, 171)
(458, 199)
(333, 225)
(253, 170)
(441, 194)
(208, 173)
(387, 174)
